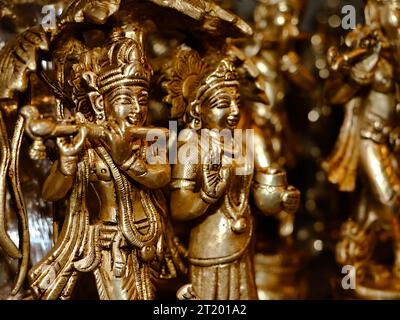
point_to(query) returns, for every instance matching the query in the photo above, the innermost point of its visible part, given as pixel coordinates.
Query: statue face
(221, 110)
(127, 106)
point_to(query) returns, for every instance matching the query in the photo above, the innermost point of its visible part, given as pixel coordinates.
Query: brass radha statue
(212, 185)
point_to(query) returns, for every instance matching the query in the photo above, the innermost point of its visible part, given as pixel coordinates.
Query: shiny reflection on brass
(268, 64)
(205, 95)
(129, 233)
(96, 131)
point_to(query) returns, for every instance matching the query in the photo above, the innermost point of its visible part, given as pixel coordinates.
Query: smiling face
(221, 110)
(127, 106)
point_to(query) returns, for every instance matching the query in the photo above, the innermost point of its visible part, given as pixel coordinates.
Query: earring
(97, 102)
(195, 122)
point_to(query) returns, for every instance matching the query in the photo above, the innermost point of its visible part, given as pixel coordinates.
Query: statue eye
(143, 100)
(223, 103)
(121, 99)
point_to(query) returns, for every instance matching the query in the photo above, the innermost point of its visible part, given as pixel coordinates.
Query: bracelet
(128, 163)
(207, 198)
(134, 163)
(138, 168)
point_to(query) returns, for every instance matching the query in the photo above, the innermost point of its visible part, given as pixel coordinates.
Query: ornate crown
(224, 75)
(126, 64)
(121, 64)
(191, 79)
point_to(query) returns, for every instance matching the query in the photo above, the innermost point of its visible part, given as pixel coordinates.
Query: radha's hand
(291, 199)
(215, 180)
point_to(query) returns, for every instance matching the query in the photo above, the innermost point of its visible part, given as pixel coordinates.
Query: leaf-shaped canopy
(19, 57)
(95, 11)
(212, 17)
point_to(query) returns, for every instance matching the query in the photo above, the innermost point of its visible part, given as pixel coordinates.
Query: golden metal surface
(367, 145)
(148, 148)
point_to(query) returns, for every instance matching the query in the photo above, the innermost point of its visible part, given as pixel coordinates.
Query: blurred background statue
(365, 82)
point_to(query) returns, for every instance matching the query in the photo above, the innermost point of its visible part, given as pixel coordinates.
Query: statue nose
(135, 106)
(234, 108)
